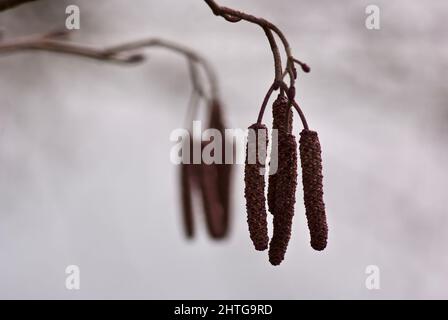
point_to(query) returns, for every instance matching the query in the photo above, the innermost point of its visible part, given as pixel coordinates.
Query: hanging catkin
(213, 209)
(186, 195)
(187, 181)
(224, 170)
(255, 185)
(310, 154)
(211, 202)
(282, 117)
(284, 198)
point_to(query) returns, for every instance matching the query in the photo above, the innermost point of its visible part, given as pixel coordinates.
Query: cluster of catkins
(211, 182)
(282, 183)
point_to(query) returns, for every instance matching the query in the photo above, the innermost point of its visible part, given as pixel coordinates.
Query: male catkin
(186, 195)
(187, 184)
(284, 198)
(224, 170)
(310, 155)
(213, 209)
(282, 122)
(255, 186)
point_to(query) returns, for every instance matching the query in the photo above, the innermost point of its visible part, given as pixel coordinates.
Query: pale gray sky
(86, 179)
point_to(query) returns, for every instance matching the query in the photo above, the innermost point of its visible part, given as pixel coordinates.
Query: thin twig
(276, 54)
(265, 102)
(194, 78)
(235, 16)
(269, 28)
(190, 54)
(193, 105)
(301, 115)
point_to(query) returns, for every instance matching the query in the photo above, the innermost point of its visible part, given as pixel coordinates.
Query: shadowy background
(85, 175)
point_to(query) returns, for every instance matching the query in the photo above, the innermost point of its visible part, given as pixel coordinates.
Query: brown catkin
(310, 155)
(224, 170)
(186, 195)
(282, 122)
(284, 198)
(213, 209)
(186, 175)
(255, 186)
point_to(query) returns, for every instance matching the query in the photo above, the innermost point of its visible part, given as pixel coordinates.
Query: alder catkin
(255, 186)
(186, 195)
(284, 198)
(187, 181)
(224, 174)
(213, 209)
(282, 117)
(310, 155)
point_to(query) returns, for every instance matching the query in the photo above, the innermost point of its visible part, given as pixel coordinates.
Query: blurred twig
(123, 54)
(8, 4)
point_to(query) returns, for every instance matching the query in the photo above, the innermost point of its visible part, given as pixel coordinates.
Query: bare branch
(269, 28)
(123, 54)
(235, 16)
(276, 53)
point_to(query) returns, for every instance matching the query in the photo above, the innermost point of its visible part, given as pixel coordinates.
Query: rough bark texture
(310, 154)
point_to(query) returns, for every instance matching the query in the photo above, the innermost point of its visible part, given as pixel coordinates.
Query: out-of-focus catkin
(186, 198)
(187, 181)
(255, 185)
(212, 181)
(215, 181)
(310, 155)
(284, 198)
(213, 209)
(224, 169)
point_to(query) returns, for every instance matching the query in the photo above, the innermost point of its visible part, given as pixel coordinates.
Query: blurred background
(86, 178)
